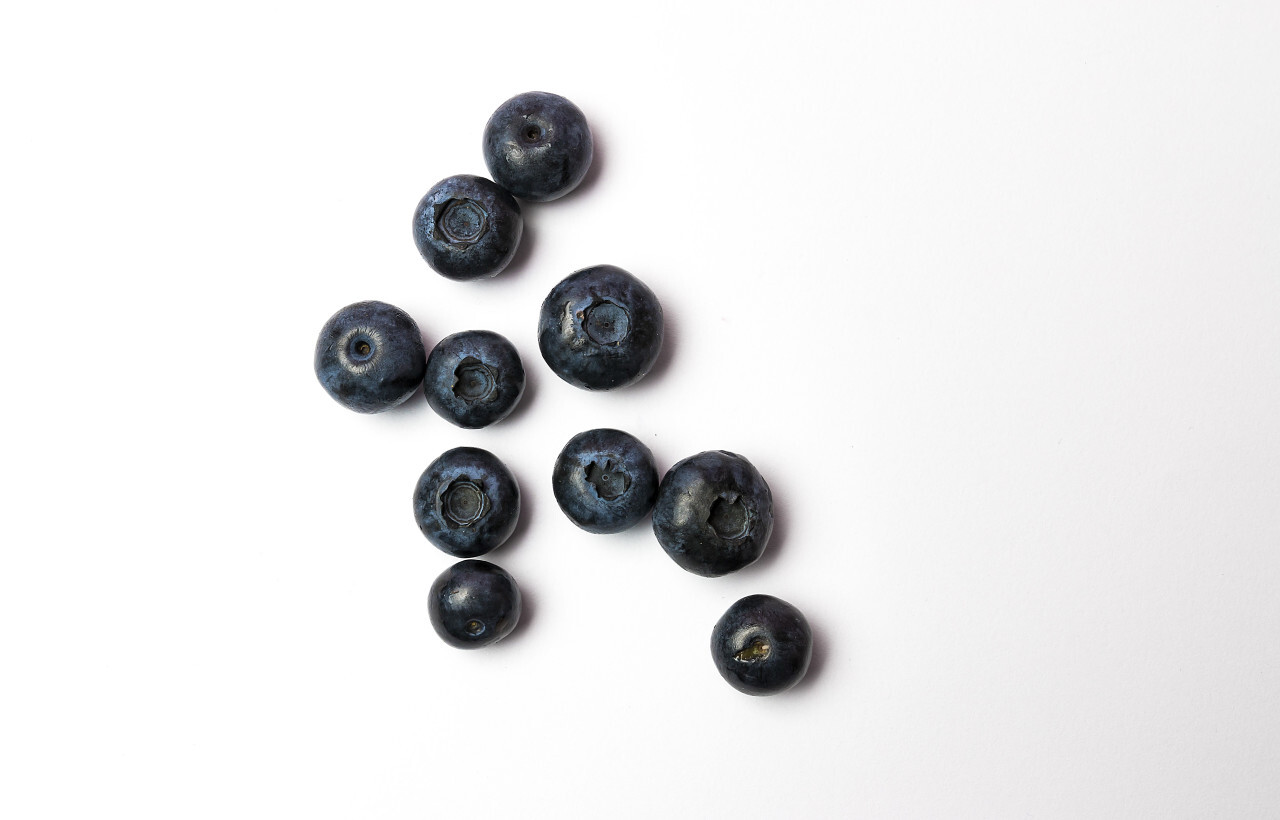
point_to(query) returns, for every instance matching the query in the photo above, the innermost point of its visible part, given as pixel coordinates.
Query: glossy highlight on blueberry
(467, 502)
(538, 146)
(474, 378)
(762, 645)
(600, 328)
(473, 604)
(466, 227)
(714, 513)
(369, 356)
(604, 480)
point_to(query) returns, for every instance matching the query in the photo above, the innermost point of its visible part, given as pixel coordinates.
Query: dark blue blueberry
(370, 356)
(600, 328)
(467, 228)
(474, 378)
(538, 146)
(605, 480)
(467, 502)
(762, 645)
(473, 604)
(714, 513)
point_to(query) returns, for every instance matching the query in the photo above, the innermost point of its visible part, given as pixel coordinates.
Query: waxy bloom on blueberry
(474, 378)
(467, 228)
(604, 480)
(600, 328)
(467, 502)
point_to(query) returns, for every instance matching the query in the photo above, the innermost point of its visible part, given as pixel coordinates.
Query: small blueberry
(538, 146)
(370, 357)
(467, 502)
(714, 513)
(604, 480)
(762, 645)
(467, 228)
(474, 378)
(600, 328)
(473, 604)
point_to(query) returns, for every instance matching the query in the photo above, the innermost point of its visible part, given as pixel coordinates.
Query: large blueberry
(714, 513)
(600, 328)
(473, 604)
(467, 228)
(474, 378)
(604, 480)
(538, 146)
(467, 502)
(370, 356)
(762, 645)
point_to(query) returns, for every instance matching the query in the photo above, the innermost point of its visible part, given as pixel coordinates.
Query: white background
(989, 292)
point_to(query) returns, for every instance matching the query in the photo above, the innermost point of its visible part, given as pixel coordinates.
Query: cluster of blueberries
(599, 329)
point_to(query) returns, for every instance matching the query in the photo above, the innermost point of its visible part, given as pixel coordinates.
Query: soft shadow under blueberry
(528, 608)
(526, 513)
(593, 173)
(524, 251)
(413, 404)
(531, 377)
(665, 356)
(777, 540)
(817, 661)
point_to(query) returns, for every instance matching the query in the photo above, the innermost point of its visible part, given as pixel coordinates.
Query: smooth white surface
(990, 294)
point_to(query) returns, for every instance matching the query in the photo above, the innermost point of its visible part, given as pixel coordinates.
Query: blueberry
(473, 604)
(714, 513)
(762, 645)
(370, 356)
(600, 328)
(467, 228)
(605, 480)
(537, 146)
(474, 378)
(467, 502)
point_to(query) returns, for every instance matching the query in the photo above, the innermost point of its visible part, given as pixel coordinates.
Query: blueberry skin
(467, 502)
(370, 356)
(762, 645)
(473, 604)
(467, 228)
(714, 513)
(474, 378)
(600, 328)
(604, 480)
(538, 146)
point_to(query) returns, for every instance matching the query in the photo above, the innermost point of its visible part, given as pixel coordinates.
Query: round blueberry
(370, 356)
(714, 513)
(467, 502)
(600, 328)
(473, 604)
(762, 645)
(605, 480)
(474, 378)
(538, 146)
(467, 228)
